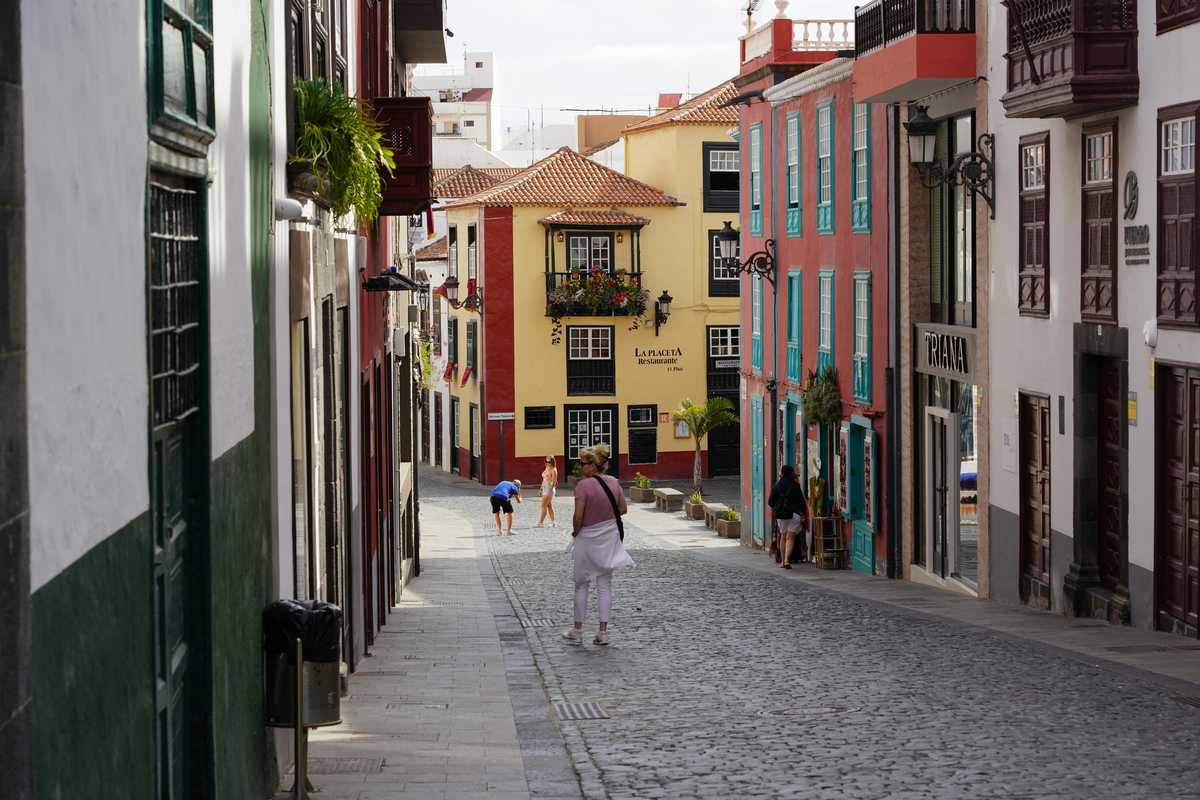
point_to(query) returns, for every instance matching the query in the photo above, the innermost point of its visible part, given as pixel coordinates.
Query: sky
(555, 54)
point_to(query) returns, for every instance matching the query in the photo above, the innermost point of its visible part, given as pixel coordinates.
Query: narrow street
(728, 679)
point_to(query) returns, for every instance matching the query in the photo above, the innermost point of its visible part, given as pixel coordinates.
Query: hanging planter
(821, 399)
(341, 145)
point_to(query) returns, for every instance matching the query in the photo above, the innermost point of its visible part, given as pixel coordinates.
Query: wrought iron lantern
(761, 263)
(662, 310)
(974, 170)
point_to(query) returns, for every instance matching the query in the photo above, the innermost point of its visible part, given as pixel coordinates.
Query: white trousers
(603, 597)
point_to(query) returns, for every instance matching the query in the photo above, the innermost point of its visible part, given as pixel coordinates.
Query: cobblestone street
(724, 681)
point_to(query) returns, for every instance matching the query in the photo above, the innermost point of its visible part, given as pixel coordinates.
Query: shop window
(756, 311)
(862, 337)
(860, 157)
(1177, 197)
(825, 319)
(825, 167)
(723, 280)
(591, 367)
(539, 417)
(793, 174)
(722, 176)
(1033, 297)
(794, 354)
(756, 210)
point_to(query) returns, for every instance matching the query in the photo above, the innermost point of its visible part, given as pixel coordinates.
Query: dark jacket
(787, 499)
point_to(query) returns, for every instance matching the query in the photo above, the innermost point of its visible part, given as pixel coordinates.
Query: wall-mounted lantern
(973, 170)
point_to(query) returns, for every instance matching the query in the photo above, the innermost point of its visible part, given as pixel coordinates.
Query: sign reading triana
(946, 351)
(659, 356)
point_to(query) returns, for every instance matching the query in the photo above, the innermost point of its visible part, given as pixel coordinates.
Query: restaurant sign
(946, 351)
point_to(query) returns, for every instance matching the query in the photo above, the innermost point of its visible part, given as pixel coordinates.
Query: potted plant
(641, 492)
(596, 292)
(729, 524)
(693, 507)
(339, 150)
(702, 418)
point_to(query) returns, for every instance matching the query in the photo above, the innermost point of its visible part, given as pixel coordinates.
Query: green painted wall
(92, 662)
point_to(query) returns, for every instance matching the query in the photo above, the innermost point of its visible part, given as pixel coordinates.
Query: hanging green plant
(821, 399)
(342, 144)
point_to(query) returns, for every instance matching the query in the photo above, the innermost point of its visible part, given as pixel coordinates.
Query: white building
(462, 101)
(1095, 343)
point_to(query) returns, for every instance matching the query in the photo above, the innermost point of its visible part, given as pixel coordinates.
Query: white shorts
(790, 525)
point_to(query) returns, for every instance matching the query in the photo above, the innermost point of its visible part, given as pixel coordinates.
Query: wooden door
(1178, 483)
(1108, 509)
(1034, 441)
(178, 484)
(455, 434)
(437, 429)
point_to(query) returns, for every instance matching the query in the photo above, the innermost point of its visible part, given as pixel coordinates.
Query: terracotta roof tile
(576, 216)
(501, 173)
(703, 109)
(477, 95)
(434, 251)
(566, 178)
(463, 182)
(596, 148)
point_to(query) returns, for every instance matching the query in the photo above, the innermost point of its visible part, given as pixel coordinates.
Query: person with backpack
(597, 535)
(790, 509)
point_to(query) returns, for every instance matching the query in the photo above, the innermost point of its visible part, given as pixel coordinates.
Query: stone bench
(711, 512)
(668, 500)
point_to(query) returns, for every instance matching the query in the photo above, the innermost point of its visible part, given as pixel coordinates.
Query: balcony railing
(882, 22)
(1067, 58)
(723, 381)
(408, 131)
(807, 36)
(604, 294)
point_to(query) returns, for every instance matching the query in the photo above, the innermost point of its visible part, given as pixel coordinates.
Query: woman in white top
(596, 531)
(549, 489)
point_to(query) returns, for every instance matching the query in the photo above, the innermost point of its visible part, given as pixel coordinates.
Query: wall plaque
(1137, 245)
(1131, 194)
(947, 351)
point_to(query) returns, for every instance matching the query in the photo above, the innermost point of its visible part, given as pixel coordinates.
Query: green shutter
(862, 363)
(756, 338)
(756, 212)
(860, 207)
(793, 212)
(825, 204)
(795, 337)
(825, 354)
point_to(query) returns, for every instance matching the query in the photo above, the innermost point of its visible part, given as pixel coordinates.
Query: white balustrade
(822, 34)
(757, 42)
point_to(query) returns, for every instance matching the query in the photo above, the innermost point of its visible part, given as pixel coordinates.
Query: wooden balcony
(906, 49)
(1068, 58)
(408, 130)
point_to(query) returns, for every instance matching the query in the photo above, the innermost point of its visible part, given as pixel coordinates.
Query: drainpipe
(895, 405)
(773, 383)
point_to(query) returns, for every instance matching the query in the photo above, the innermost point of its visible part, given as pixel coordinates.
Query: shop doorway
(861, 506)
(475, 443)
(941, 502)
(1110, 511)
(1034, 444)
(722, 380)
(588, 426)
(1177, 513)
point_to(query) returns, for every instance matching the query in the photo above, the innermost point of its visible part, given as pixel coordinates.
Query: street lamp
(973, 170)
(662, 310)
(472, 302)
(761, 263)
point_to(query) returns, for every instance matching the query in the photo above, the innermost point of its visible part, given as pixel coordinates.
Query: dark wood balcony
(1067, 58)
(612, 295)
(905, 49)
(408, 130)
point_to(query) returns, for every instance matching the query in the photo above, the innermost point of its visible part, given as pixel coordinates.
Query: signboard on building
(501, 416)
(946, 351)
(1137, 245)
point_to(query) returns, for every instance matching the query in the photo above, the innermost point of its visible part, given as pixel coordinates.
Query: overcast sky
(606, 53)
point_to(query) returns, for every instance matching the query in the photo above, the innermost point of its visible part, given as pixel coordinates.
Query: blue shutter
(757, 510)
(756, 212)
(793, 212)
(793, 325)
(825, 353)
(756, 337)
(860, 207)
(825, 204)
(862, 363)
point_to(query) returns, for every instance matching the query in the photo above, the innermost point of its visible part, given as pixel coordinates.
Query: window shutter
(1033, 297)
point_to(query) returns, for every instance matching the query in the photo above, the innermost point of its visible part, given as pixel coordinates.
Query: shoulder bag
(613, 501)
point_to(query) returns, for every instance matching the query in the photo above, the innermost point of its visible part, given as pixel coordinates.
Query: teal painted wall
(92, 662)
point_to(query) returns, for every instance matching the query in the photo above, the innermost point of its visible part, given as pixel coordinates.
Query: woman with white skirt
(596, 539)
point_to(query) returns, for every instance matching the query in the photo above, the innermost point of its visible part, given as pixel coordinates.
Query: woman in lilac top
(596, 533)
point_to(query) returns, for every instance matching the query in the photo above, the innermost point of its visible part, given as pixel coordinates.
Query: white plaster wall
(1037, 355)
(231, 324)
(85, 184)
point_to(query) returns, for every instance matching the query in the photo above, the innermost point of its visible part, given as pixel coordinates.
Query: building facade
(565, 260)
(462, 101)
(924, 68)
(1094, 505)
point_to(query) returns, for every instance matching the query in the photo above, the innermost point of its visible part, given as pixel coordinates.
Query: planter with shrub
(729, 525)
(641, 491)
(693, 507)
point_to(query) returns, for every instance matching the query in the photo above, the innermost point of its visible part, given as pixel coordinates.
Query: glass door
(941, 490)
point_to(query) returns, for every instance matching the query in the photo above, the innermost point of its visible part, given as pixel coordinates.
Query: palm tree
(701, 419)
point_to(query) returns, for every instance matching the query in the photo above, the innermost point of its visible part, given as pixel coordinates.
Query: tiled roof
(451, 184)
(434, 251)
(566, 178)
(703, 109)
(576, 216)
(476, 95)
(669, 99)
(596, 148)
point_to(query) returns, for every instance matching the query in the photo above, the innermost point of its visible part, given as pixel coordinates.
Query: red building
(815, 197)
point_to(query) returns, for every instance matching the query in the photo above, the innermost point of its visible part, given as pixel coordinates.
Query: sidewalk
(429, 715)
(1173, 661)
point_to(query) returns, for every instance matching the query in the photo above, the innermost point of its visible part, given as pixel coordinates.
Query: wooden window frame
(472, 345)
(533, 425)
(721, 285)
(731, 348)
(1024, 308)
(794, 188)
(756, 174)
(472, 252)
(589, 236)
(826, 191)
(861, 377)
(1090, 188)
(756, 322)
(611, 359)
(452, 251)
(825, 349)
(1166, 21)
(719, 199)
(1181, 181)
(860, 204)
(795, 311)
(195, 32)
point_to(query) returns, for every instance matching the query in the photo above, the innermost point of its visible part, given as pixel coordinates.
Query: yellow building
(559, 340)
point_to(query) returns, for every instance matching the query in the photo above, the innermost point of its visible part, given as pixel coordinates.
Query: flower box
(729, 528)
(693, 510)
(638, 495)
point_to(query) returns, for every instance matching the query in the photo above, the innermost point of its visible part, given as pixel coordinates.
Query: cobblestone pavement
(727, 682)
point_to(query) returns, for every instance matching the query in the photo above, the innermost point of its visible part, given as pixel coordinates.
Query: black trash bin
(318, 626)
